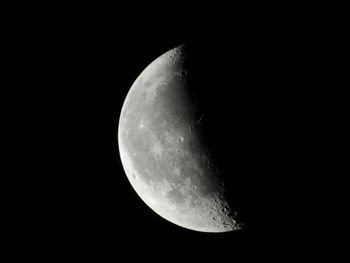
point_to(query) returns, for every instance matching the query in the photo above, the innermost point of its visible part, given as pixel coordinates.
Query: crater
(180, 139)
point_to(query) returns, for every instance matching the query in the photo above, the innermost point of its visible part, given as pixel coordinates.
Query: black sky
(253, 88)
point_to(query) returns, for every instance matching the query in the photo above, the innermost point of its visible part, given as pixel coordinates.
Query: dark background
(255, 77)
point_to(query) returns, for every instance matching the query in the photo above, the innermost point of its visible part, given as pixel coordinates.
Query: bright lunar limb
(163, 153)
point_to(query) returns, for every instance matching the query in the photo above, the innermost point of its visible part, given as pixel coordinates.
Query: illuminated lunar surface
(163, 153)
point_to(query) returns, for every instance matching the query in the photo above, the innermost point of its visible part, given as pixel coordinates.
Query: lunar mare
(163, 154)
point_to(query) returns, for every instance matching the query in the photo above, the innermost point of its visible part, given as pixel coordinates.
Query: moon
(163, 150)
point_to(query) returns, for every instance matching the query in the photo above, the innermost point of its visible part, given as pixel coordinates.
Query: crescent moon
(163, 153)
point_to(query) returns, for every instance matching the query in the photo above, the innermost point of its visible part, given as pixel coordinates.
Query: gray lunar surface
(163, 154)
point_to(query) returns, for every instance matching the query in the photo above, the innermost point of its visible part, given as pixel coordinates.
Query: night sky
(250, 78)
